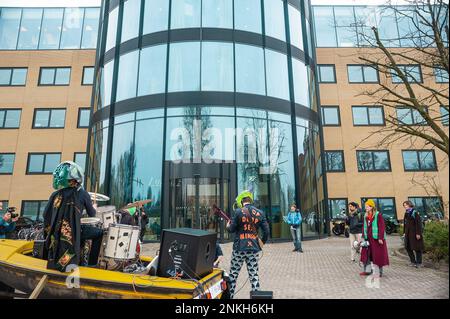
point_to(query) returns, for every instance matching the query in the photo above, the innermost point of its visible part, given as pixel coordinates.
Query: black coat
(355, 222)
(413, 227)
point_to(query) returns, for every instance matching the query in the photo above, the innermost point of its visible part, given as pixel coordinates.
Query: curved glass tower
(197, 100)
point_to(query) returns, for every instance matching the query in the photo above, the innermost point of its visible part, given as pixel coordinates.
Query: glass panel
(274, 19)
(5, 76)
(441, 75)
(324, 27)
(376, 116)
(386, 207)
(72, 28)
(387, 26)
(51, 28)
(159, 112)
(346, 31)
(90, 28)
(80, 159)
(217, 14)
(112, 29)
(57, 118)
(6, 163)
(217, 66)
(9, 28)
(47, 76)
(12, 118)
(85, 115)
(426, 159)
(128, 71)
(326, 73)
(185, 14)
(3, 206)
(156, 16)
(444, 115)
(335, 161)
(247, 112)
(247, 15)
(277, 74)
(106, 83)
(365, 20)
(184, 67)
(365, 161)
(19, 76)
(407, 21)
(417, 118)
(404, 116)
(413, 73)
(250, 76)
(88, 75)
(381, 161)
(152, 70)
(355, 74)
(30, 209)
(130, 20)
(360, 116)
(410, 160)
(36, 163)
(337, 207)
(300, 75)
(370, 74)
(51, 161)
(2, 118)
(62, 76)
(30, 29)
(41, 118)
(330, 115)
(295, 27)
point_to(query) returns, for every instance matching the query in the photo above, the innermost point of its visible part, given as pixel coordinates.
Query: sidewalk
(324, 270)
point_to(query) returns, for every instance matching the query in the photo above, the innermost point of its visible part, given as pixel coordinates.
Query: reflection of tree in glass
(121, 176)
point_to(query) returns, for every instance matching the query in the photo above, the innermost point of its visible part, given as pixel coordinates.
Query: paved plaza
(324, 270)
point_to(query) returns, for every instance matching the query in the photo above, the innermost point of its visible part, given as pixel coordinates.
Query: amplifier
(186, 252)
(261, 294)
(39, 249)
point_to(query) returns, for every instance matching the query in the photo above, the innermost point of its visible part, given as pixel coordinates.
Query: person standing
(413, 234)
(294, 220)
(355, 221)
(245, 223)
(374, 234)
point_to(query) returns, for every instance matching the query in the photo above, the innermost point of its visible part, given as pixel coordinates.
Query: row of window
(47, 76)
(48, 28)
(379, 161)
(221, 66)
(360, 73)
(430, 206)
(374, 116)
(38, 163)
(246, 15)
(43, 118)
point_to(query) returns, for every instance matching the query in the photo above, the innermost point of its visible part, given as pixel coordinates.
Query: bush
(435, 237)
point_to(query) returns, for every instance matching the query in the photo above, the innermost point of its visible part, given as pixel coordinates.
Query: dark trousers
(415, 259)
(95, 234)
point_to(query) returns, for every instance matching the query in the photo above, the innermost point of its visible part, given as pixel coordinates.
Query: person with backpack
(294, 220)
(413, 233)
(355, 221)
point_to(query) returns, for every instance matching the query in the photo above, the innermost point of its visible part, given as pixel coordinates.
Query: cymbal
(138, 203)
(98, 197)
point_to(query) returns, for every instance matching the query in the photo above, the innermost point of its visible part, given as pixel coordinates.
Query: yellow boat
(20, 270)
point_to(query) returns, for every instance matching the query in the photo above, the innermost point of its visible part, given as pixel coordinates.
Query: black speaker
(186, 252)
(39, 249)
(261, 294)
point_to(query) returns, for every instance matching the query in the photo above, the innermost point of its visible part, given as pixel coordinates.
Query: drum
(107, 214)
(121, 242)
(91, 221)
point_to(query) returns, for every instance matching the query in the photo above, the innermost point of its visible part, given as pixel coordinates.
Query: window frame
(435, 70)
(2, 127)
(362, 66)
(43, 165)
(404, 66)
(323, 116)
(444, 118)
(411, 198)
(54, 75)
(79, 115)
(374, 170)
(417, 151)
(320, 74)
(368, 117)
(376, 199)
(14, 162)
(32, 201)
(11, 77)
(93, 76)
(326, 161)
(49, 118)
(411, 114)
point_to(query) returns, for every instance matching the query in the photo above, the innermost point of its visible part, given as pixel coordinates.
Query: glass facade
(195, 121)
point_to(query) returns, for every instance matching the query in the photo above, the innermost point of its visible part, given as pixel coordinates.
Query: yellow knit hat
(371, 203)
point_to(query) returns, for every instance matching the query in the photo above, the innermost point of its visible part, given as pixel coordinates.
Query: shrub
(435, 237)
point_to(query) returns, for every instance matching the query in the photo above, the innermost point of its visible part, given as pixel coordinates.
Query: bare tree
(425, 37)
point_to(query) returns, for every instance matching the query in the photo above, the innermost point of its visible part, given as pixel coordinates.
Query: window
(51, 28)
(335, 161)
(128, 72)
(88, 75)
(106, 83)
(156, 16)
(330, 116)
(368, 115)
(337, 206)
(185, 14)
(34, 209)
(295, 27)
(419, 160)
(80, 159)
(30, 29)
(42, 163)
(184, 66)
(9, 28)
(13, 76)
(90, 28)
(112, 29)
(327, 73)
(274, 19)
(373, 161)
(429, 206)
(386, 206)
(444, 115)
(217, 66)
(217, 14)
(300, 75)
(277, 74)
(362, 74)
(441, 75)
(325, 27)
(130, 20)
(247, 15)
(49, 118)
(4, 206)
(412, 73)
(152, 70)
(409, 116)
(84, 115)
(250, 77)
(72, 28)
(10, 118)
(54, 76)
(6, 163)
(345, 26)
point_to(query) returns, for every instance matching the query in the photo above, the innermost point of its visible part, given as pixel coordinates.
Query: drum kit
(120, 242)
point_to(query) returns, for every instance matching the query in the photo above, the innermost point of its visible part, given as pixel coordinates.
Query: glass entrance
(192, 200)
